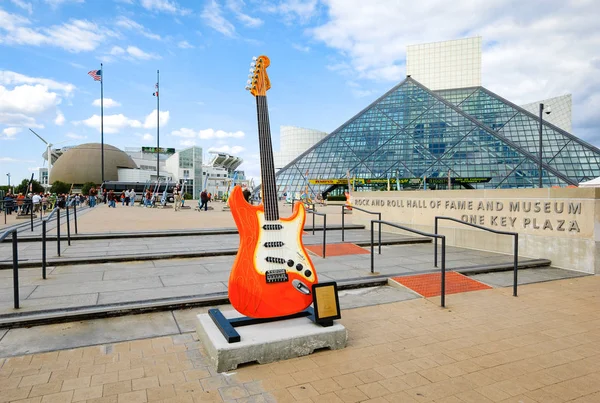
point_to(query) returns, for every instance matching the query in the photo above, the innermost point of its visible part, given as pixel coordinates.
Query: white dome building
(293, 141)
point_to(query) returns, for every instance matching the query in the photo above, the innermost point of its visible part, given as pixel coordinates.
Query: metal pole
(343, 208)
(372, 257)
(540, 145)
(44, 249)
(443, 271)
(313, 213)
(516, 264)
(435, 243)
(58, 231)
(75, 214)
(101, 119)
(324, 234)
(31, 213)
(158, 126)
(15, 251)
(380, 233)
(68, 226)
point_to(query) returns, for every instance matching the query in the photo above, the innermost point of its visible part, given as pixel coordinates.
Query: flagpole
(157, 126)
(102, 117)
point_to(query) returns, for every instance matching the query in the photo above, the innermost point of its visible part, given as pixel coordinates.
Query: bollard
(58, 231)
(372, 257)
(15, 269)
(68, 226)
(435, 252)
(31, 215)
(75, 216)
(313, 213)
(44, 249)
(443, 271)
(343, 209)
(516, 264)
(380, 233)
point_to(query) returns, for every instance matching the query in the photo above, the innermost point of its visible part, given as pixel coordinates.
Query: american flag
(96, 75)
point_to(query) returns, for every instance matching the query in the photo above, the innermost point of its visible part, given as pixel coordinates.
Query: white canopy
(594, 183)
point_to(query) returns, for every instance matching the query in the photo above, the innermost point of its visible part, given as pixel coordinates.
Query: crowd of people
(22, 204)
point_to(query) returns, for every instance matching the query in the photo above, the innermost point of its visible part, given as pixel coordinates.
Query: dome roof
(82, 164)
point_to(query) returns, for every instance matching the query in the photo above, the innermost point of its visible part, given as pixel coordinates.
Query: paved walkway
(112, 283)
(488, 346)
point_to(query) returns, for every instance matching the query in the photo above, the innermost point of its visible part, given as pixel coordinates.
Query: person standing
(132, 197)
(203, 200)
(247, 194)
(177, 194)
(36, 199)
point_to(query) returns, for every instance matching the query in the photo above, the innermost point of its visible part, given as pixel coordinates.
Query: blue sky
(329, 59)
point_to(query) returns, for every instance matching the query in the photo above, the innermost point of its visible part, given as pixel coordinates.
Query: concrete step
(7, 264)
(26, 319)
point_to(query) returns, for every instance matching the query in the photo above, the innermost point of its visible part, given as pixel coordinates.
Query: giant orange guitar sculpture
(272, 274)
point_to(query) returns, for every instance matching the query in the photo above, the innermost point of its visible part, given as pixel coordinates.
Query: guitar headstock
(258, 81)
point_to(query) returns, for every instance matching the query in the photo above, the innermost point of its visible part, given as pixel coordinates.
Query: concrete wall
(558, 224)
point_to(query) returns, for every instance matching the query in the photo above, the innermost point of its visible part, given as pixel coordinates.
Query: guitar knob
(299, 267)
(308, 273)
(290, 263)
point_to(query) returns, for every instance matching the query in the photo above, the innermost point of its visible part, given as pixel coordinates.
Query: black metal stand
(227, 326)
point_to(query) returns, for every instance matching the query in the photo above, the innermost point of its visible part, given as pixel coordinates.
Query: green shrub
(187, 196)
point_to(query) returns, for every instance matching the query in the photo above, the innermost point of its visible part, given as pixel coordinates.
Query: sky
(329, 60)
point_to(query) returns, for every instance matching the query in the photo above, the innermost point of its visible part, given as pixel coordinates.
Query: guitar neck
(267, 166)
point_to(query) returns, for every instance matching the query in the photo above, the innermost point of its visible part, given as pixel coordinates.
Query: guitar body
(269, 279)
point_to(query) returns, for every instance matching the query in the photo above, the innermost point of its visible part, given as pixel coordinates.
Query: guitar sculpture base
(249, 340)
(227, 326)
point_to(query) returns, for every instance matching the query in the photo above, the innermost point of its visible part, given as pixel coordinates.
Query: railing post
(75, 215)
(15, 252)
(324, 234)
(372, 257)
(68, 225)
(58, 231)
(343, 211)
(379, 233)
(31, 214)
(313, 213)
(516, 264)
(4, 205)
(44, 249)
(443, 294)
(435, 243)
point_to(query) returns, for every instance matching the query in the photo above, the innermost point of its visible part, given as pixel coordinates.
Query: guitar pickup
(276, 276)
(272, 227)
(277, 244)
(275, 260)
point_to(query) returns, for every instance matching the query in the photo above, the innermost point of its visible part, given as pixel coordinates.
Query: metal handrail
(15, 256)
(44, 222)
(366, 211)
(436, 236)
(515, 246)
(324, 228)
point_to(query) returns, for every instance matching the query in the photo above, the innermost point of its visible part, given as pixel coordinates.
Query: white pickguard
(290, 235)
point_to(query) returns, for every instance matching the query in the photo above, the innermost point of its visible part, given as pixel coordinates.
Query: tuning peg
(249, 82)
(252, 64)
(251, 70)
(247, 88)
(254, 58)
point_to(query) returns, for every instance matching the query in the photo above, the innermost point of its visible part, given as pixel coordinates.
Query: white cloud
(115, 123)
(187, 143)
(60, 119)
(207, 134)
(150, 121)
(9, 133)
(166, 6)
(10, 159)
(56, 3)
(27, 99)
(301, 48)
(294, 10)
(227, 149)
(213, 17)
(24, 5)
(126, 23)
(74, 36)
(137, 53)
(11, 78)
(185, 45)
(116, 51)
(236, 6)
(75, 136)
(108, 103)
(146, 137)
(112, 123)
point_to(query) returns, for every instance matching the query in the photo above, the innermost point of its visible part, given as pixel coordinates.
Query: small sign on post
(326, 303)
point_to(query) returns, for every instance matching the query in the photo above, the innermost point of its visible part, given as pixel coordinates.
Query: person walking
(111, 199)
(177, 194)
(36, 199)
(132, 197)
(8, 203)
(203, 200)
(93, 193)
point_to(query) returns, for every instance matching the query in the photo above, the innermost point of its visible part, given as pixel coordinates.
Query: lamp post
(540, 140)
(8, 174)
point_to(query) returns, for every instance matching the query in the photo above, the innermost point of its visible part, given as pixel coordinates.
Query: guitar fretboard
(267, 170)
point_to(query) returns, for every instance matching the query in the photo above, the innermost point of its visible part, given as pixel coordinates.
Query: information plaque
(326, 303)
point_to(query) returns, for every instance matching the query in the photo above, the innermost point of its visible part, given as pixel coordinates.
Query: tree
(35, 187)
(85, 189)
(59, 187)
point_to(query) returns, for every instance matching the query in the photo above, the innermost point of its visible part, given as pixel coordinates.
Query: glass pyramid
(471, 135)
